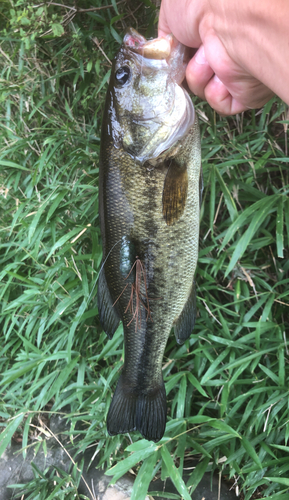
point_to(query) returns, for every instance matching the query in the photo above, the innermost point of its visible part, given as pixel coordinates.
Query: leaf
(126, 464)
(44, 100)
(255, 308)
(280, 447)
(212, 196)
(113, 2)
(245, 239)
(224, 399)
(74, 325)
(197, 474)
(222, 426)
(7, 433)
(267, 309)
(18, 372)
(55, 204)
(140, 444)
(199, 419)
(286, 210)
(228, 197)
(269, 373)
(268, 450)
(182, 397)
(57, 29)
(182, 445)
(172, 381)
(36, 217)
(164, 494)
(58, 487)
(115, 35)
(11, 164)
(104, 81)
(211, 370)
(174, 474)
(259, 209)
(196, 384)
(60, 381)
(80, 378)
(251, 451)
(279, 227)
(61, 308)
(68, 110)
(278, 496)
(62, 241)
(143, 478)
(200, 449)
(280, 480)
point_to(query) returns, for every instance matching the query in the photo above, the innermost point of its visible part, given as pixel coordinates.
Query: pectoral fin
(108, 315)
(186, 321)
(175, 193)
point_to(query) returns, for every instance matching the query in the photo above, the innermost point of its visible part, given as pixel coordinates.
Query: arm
(243, 49)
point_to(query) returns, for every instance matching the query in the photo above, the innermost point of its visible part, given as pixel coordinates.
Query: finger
(163, 27)
(231, 98)
(233, 89)
(175, 18)
(220, 99)
(199, 73)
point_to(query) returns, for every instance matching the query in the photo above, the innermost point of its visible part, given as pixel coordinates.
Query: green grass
(227, 387)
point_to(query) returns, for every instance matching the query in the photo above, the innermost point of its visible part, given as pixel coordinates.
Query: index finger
(163, 27)
(182, 19)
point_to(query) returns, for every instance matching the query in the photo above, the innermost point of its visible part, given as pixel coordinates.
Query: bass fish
(149, 206)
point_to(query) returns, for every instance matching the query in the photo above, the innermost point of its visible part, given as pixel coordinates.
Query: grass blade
(279, 227)
(174, 474)
(7, 433)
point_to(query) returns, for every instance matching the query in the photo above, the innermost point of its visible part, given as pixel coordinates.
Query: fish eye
(122, 75)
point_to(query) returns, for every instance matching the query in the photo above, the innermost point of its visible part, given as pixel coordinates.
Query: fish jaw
(159, 48)
(150, 112)
(169, 48)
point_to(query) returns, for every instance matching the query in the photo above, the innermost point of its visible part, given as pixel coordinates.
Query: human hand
(217, 72)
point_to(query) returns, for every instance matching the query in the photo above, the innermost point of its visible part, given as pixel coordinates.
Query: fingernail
(200, 57)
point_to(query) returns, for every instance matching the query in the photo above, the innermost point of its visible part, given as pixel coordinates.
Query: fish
(149, 211)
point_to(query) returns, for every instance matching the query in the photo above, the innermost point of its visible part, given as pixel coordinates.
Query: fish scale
(149, 214)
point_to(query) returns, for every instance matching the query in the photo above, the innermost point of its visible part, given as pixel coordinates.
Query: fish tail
(132, 410)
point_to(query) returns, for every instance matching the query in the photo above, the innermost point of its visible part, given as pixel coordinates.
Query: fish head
(148, 110)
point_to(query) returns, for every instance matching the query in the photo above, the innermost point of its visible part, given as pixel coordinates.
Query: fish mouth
(159, 48)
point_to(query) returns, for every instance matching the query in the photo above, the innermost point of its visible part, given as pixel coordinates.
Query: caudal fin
(144, 411)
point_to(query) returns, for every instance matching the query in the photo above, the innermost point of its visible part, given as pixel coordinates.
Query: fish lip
(159, 53)
(157, 48)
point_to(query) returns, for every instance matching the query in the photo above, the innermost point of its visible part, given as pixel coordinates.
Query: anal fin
(108, 315)
(186, 321)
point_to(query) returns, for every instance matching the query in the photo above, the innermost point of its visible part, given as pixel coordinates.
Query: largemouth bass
(149, 182)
